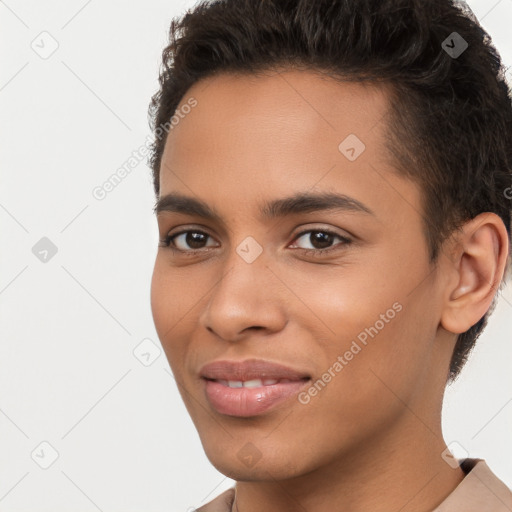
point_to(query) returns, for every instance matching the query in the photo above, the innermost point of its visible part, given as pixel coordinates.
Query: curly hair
(449, 125)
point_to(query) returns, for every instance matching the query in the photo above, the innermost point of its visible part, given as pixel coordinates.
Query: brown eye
(321, 240)
(186, 241)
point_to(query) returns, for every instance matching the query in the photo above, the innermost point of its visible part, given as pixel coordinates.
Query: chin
(250, 464)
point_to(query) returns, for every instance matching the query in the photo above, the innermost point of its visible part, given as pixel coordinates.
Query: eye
(194, 239)
(320, 240)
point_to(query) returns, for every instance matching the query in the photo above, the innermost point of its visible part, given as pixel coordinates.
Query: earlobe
(482, 251)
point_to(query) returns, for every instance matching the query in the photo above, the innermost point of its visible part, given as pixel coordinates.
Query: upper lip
(248, 370)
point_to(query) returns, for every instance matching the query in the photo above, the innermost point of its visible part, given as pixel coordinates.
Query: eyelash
(166, 242)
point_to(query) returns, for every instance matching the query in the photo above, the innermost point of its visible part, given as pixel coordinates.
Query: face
(335, 285)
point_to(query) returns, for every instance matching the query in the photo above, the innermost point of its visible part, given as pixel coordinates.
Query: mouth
(253, 383)
(250, 388)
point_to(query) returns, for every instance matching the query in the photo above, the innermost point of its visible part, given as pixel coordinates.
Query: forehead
(277, 109)
(253, 136)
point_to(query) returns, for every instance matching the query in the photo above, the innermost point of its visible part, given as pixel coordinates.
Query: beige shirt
(480, 491)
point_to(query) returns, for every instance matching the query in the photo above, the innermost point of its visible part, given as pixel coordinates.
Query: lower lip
(245, 402)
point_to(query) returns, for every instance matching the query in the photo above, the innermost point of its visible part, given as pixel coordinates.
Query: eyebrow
(276, 208)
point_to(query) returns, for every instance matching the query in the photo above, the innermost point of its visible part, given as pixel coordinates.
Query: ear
(477, 262)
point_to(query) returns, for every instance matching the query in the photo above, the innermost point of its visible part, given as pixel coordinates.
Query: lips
(250, 388)
(252, 369)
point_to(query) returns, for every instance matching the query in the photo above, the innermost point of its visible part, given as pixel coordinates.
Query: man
(331, 180)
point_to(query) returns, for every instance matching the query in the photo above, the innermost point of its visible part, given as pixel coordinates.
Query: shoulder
(222, 503)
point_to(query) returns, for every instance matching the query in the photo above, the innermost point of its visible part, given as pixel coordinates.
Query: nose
(247, 298)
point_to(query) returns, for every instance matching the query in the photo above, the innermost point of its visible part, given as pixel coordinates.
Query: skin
(371, 439)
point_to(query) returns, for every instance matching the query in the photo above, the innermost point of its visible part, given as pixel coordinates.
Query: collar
(480, 491)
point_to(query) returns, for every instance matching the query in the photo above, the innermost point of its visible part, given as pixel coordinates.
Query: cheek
(360, 397)
(385, 362)
(159, 301)
(379, 343)
(169, 306)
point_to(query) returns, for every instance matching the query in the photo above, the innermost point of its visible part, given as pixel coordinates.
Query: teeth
(255, 383)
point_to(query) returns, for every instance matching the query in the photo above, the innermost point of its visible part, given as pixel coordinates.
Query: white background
(68, 375)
